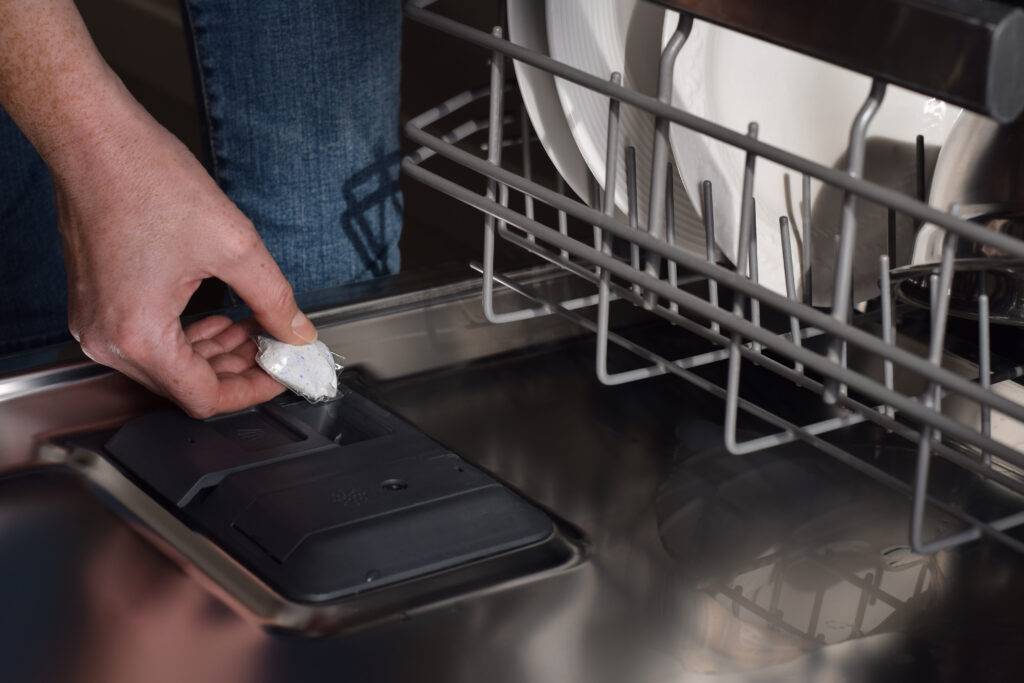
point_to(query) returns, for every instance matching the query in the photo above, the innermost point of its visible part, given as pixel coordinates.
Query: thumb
(258, 280)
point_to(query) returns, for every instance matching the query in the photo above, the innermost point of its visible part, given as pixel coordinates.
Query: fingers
(255, 277)
(186, 377)
(226, 341)
(238, 391)
(223, 382)
(230, 364)
(208, 368)
(236, 361)
(207, 328)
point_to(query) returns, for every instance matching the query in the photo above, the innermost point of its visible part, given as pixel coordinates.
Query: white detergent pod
(308, 370)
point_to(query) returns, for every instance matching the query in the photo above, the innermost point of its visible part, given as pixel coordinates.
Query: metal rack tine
(742, 263)
(708, 208)
(891, 244)
(806, 254)
(563, 218)
(984, 354)
(940, 289)
(933, 298)
(525, 135)
(662, 182)
(919, 167)
(633, 209)
(841, 293)
(603, 288)
(495, 143)
(888, 333)
(787, 264)
(670, 231)
(984, 369)
(596, 201)
(755, 304)
(611, 169)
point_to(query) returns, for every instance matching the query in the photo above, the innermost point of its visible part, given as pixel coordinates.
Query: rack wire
(652, 273)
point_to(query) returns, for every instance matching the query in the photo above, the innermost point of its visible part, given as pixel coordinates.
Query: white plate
(802, 105)
(601, 37)
(527, 26)
(949, 181)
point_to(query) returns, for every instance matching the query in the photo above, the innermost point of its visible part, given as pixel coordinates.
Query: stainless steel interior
(781, 565)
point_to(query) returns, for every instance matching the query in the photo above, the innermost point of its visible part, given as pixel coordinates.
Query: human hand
(143, 225)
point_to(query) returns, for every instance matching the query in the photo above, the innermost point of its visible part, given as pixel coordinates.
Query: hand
(143, 225)
(142, 222)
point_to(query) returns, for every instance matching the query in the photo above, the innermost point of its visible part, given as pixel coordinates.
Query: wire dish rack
(726, 307)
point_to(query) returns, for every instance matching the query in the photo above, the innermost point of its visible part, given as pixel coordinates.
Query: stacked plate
(801, 104)
(571, 121)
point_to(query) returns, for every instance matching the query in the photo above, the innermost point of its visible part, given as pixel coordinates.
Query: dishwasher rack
(684, 289)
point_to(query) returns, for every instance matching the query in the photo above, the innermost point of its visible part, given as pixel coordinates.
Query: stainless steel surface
(730, 332)
(967, 53)
(781, 565)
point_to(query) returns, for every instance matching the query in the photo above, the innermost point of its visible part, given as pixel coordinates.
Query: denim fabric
(33, 288)
(301, 104)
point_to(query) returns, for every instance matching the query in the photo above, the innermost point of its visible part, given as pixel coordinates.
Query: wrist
(93, 131)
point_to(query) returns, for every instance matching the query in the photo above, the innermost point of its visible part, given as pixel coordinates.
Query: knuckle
(241, 242)
(129, 340)
(76, 330)
(281, 294)
(94, 343)
(94, 349)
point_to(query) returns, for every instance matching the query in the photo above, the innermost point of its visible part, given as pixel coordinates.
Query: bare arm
(143, 223)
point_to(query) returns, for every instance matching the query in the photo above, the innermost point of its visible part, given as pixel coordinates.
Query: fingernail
(303, 328)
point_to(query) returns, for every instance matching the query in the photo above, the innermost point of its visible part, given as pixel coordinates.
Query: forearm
(55, 84)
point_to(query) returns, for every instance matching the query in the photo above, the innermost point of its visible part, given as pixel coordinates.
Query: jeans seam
(201, 69)
(201, 76)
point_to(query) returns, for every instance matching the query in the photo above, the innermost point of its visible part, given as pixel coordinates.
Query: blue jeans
(301, 104)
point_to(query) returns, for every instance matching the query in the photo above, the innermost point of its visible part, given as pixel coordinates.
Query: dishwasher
(622, 461)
